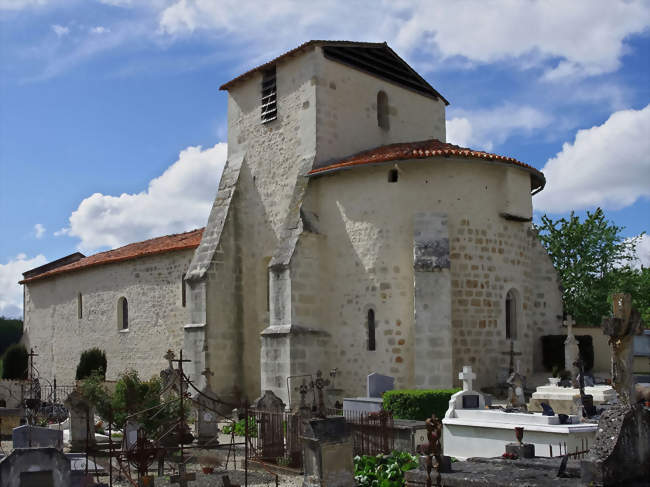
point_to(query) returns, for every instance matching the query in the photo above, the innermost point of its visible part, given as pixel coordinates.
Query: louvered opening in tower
(269, 96)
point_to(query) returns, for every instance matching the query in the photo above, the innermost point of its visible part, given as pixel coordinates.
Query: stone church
(345, 233)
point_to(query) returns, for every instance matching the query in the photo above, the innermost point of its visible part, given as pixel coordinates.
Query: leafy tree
(131, 397)
(11, 331)
(15, 362)
(592, 259)
(90, 361)
(637, 283)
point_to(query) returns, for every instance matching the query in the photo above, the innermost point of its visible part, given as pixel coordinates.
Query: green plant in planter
(383, 470)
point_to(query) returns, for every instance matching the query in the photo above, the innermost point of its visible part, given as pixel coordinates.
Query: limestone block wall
(153, 289)
(346, 113)
(368, 256)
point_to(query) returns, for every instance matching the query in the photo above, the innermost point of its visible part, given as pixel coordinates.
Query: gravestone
(35, 467)
(621, 451)
(131, 433)
(327, 453)
(377, 384)
(270, 425)
(82, 424)
(516, 384)
(571, 351)
(468, 398)
(207, 424)
(27, 436)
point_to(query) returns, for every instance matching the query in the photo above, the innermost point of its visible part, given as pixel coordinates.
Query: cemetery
(582, 435)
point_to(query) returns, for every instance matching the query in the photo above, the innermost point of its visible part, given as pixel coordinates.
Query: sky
(113, 129)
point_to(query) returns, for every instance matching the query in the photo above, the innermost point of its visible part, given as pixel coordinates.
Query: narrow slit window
(183, 291)
(382, 110)
(372, 345)
(122, 314)
(511, 316)
(269, 111)
(79, 306)
(393, 176)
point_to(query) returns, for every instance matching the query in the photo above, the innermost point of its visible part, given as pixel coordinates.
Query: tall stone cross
(207, 373)
(320, 384)
(467, 376)
(571, 350)
(513, 354)
(621, 328)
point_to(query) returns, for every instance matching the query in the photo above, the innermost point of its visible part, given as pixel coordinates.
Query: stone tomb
(563, 400)
(28, 436)
(470, 430)
(82, 424)
(376, 385)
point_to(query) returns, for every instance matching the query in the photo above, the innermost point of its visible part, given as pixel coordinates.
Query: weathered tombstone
(269, 410)
(82, 424)
(35, 467)
(621, 451)
(327, 453)
(571, 350)
(28, 436)
(131, 429)
(207, 424)
(516, 383)
(377, 384)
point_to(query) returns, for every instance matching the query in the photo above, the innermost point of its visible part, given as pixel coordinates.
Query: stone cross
(621, 328)
(320, 384)
(571, 350)
(170, 356)
(467, 376)
(513, 354)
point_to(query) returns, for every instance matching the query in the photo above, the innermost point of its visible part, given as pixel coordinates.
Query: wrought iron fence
(372, 433)
(276, 437)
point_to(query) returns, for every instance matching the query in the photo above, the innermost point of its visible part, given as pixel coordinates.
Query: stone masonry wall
(152, 287)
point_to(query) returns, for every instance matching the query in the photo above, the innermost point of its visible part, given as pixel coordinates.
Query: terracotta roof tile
(168, 243)
(421, 150)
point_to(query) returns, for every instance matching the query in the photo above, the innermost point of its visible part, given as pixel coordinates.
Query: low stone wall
(12, 392)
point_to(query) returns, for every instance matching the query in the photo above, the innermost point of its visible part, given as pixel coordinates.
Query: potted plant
(208, 463)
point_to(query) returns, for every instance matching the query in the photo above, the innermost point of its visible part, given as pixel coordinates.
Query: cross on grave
(170, 356)
(303, 389)
(207, 373)
(183, 477)
(320, 384)
(513, 354)
(467, 376)
(569, 322)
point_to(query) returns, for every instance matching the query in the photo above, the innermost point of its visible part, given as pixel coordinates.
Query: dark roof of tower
(421, 150)
(374, 58)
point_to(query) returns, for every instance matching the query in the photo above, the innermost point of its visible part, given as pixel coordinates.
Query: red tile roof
(160, 245)
(422, 150)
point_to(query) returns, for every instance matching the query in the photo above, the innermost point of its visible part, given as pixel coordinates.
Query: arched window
(183, 292)
(393, 175)
(122, 314)
(382, 110)
(79, 306)
(371, 330)
(511, 315)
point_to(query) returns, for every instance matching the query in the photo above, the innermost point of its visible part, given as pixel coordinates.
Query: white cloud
(11, 295)
(39, 230)
(577, 36)
(483, 129)
(60, 30)
(178, 200)
(643, 251)
(20, 4)
(100, 30)
(607, 166)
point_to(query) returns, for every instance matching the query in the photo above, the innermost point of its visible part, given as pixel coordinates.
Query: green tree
(637, 283)
(91, 360)
(589, 256)
(15, 362)
(11, 331)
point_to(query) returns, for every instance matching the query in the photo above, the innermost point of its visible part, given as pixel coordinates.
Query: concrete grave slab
(27, 436)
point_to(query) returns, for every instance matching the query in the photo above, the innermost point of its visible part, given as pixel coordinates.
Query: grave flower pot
(207, 470)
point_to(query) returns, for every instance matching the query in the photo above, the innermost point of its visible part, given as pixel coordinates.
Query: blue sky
(113, 130)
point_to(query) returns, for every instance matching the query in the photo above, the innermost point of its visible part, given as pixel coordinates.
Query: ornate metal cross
(513, 354)
(320, 384)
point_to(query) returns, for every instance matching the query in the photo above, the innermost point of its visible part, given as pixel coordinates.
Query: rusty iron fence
(276, 437)
(562, 450)
(372, 433)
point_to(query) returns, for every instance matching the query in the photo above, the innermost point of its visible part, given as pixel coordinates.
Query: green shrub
(553, 351)
(417, 404)
(15, 362)
(11, 331)
(383, 470)
(90, 361)
(240, 427)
